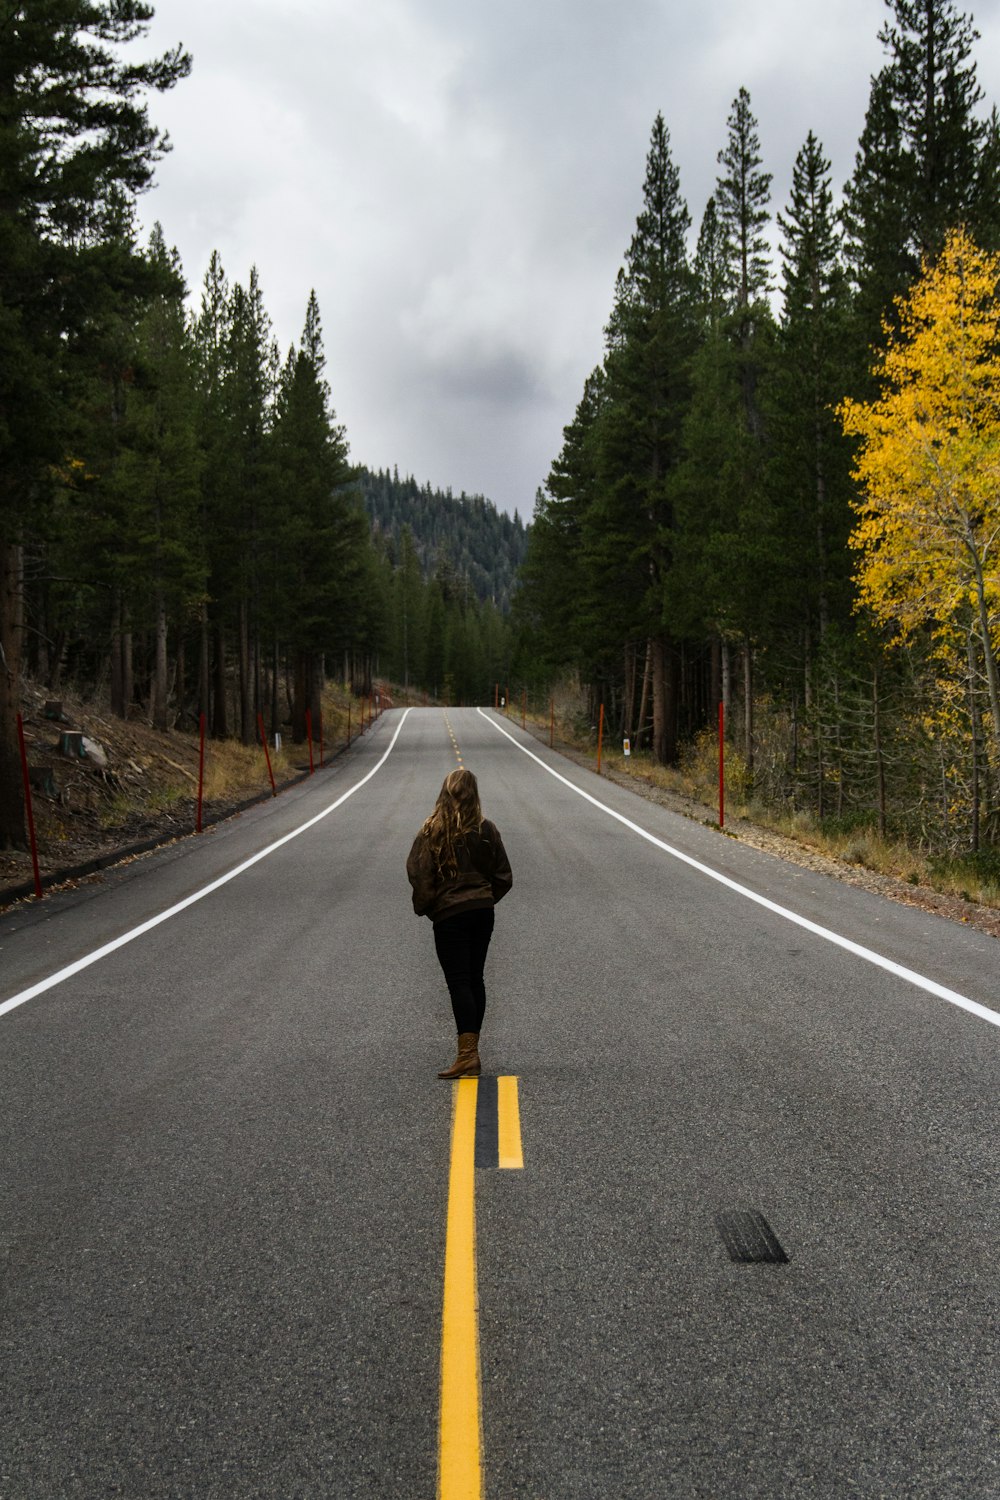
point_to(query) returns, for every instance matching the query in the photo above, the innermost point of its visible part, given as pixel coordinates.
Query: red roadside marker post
(28, 808)
(309, 737)
(201, 769)
(267, 753)
(722, 765)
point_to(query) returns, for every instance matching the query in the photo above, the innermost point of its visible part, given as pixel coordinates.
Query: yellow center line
(460, 1471)
(509, 1123)
(454, 742)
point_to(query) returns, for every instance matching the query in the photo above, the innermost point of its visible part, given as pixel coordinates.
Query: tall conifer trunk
(158, 704)
(666, 685)
(246, 713)
(628, 717)
(647, 672)
(300, 700)
(220, 716)
(128, 676)
(204, 689)
(117, 673)
(13, 832)
(180, 678)
(275, 678)
(715, 676)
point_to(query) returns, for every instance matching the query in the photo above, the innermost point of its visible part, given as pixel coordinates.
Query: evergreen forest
(779, 489)
(481, 544)
(181, 529)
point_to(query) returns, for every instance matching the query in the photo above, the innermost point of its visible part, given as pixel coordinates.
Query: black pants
(462, 942)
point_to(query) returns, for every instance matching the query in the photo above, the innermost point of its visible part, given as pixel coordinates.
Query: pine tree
(321, 565)
(408, 612)
(934, 87)
(249, 396)
(726, 560)
(124, 537)
(212, 337)
(927, 161)
(435, 664)
(712, 271)
(629, 531)
(875, 215)
(75, 141)
(159, 474)
(742, 196)
(810, 465)
(559, 603)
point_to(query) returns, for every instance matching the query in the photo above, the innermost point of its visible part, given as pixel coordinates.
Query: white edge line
(128, 937)
(931, 986)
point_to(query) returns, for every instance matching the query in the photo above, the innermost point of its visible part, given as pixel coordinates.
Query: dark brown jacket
(484, 876)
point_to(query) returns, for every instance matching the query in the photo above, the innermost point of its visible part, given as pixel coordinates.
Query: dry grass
(146, 785)
(235, 770)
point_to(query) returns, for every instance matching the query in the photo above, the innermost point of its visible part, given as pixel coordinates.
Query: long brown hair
(456, 812)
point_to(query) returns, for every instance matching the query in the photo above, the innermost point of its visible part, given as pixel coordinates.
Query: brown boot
(466, 1064)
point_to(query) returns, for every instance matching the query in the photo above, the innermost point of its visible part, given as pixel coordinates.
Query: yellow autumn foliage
(928, 529)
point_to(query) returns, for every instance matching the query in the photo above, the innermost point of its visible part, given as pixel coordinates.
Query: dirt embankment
(105, 787)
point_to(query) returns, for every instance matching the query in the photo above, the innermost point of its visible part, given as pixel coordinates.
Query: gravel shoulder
(972, 914)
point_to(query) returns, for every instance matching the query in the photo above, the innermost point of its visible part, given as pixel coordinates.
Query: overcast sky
(459, 181)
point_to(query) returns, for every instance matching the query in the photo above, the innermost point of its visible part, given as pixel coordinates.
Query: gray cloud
(459, 180)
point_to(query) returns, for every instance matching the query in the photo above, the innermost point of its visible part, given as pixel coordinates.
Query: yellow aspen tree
(928, 528)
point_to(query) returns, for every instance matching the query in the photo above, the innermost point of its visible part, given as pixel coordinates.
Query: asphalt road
(225, 1158)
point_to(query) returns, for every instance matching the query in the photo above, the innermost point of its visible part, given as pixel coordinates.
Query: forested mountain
(481, 543)
(772, 492)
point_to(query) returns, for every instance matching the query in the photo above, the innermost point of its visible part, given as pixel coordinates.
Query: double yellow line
(460, 1457)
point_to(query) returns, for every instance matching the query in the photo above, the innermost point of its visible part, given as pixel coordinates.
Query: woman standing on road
(459, 870)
